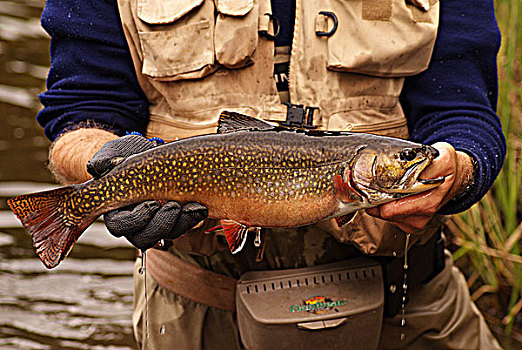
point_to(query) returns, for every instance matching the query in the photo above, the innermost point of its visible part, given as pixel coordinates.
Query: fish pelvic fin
(236, 235)
(54, 229)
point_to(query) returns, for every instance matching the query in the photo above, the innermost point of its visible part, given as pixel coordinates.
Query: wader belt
(218, 291)
(191, 281)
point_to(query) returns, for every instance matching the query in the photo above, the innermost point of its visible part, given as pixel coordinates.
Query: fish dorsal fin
(232, 121)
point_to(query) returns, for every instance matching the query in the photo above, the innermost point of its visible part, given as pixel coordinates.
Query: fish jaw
(422, 185)
(411, 183)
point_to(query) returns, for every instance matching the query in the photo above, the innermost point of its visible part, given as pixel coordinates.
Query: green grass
(488, 236)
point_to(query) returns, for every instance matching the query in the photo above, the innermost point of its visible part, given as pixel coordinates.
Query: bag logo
(317, 305)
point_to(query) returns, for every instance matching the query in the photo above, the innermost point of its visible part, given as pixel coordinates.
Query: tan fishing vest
(196, 58)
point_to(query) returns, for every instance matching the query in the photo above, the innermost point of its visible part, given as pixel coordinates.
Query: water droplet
(403, 322)
(393, 288)
(403, 335)
(162, 329)
(257, 241)
(394, 253)
(18, 133)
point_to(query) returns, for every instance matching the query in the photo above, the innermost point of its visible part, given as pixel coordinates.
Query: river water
(85, 303)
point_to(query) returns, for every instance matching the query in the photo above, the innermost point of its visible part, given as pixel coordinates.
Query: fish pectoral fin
(232, 121)
(235, 233)
(344, 191)
(344, 219)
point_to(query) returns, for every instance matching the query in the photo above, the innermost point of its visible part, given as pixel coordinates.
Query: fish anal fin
(235, 233)
(344, 191)
(344, 219)
(233, 121)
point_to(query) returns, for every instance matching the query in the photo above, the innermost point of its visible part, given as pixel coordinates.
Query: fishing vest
(196, 58)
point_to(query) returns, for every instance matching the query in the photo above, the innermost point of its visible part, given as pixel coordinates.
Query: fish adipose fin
(235, 233)
(232, 121)
(53, 229)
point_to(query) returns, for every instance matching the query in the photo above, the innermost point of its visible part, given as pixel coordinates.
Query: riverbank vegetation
(486, 239)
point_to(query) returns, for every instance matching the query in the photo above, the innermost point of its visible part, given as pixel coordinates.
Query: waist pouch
(318, 306)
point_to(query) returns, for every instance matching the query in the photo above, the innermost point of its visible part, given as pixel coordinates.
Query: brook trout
(250, 174)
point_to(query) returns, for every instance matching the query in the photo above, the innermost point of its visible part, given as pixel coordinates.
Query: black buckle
(299, 117)
(276, 25)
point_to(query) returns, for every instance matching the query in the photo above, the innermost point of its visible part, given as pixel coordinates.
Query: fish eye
(408, 154)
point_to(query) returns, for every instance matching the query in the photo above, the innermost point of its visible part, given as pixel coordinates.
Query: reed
(488, 236)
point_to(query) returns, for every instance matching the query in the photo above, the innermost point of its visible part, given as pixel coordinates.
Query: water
(85, 303)
(404, 287)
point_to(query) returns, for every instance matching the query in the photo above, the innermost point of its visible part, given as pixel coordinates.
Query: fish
(250, 174)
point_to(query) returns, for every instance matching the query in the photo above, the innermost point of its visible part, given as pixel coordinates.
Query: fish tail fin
(53, 227)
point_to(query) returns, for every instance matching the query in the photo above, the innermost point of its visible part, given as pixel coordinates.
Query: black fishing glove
(143, 224)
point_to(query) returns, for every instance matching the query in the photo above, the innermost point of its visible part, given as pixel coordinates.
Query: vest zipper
(292, 88)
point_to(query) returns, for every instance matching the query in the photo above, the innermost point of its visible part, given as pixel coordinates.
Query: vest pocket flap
(388, 38)
(234, 7)
(165, 11)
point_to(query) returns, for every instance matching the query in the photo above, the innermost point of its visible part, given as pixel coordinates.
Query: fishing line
(143, 271)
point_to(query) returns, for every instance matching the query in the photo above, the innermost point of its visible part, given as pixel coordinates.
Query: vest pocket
(235, 38)
(183, 39)
(166, 54)
(386, 38)
(176, 38)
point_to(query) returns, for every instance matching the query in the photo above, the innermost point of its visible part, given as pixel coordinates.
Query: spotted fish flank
(251, 174)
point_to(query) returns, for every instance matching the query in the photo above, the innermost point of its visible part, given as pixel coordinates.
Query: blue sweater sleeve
(92, 79)
(455, 99)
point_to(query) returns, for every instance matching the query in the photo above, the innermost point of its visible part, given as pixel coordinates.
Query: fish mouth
(410, 182)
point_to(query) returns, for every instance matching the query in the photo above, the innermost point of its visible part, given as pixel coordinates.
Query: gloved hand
(143, 224)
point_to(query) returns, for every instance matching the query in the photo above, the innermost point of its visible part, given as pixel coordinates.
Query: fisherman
(414, 69)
